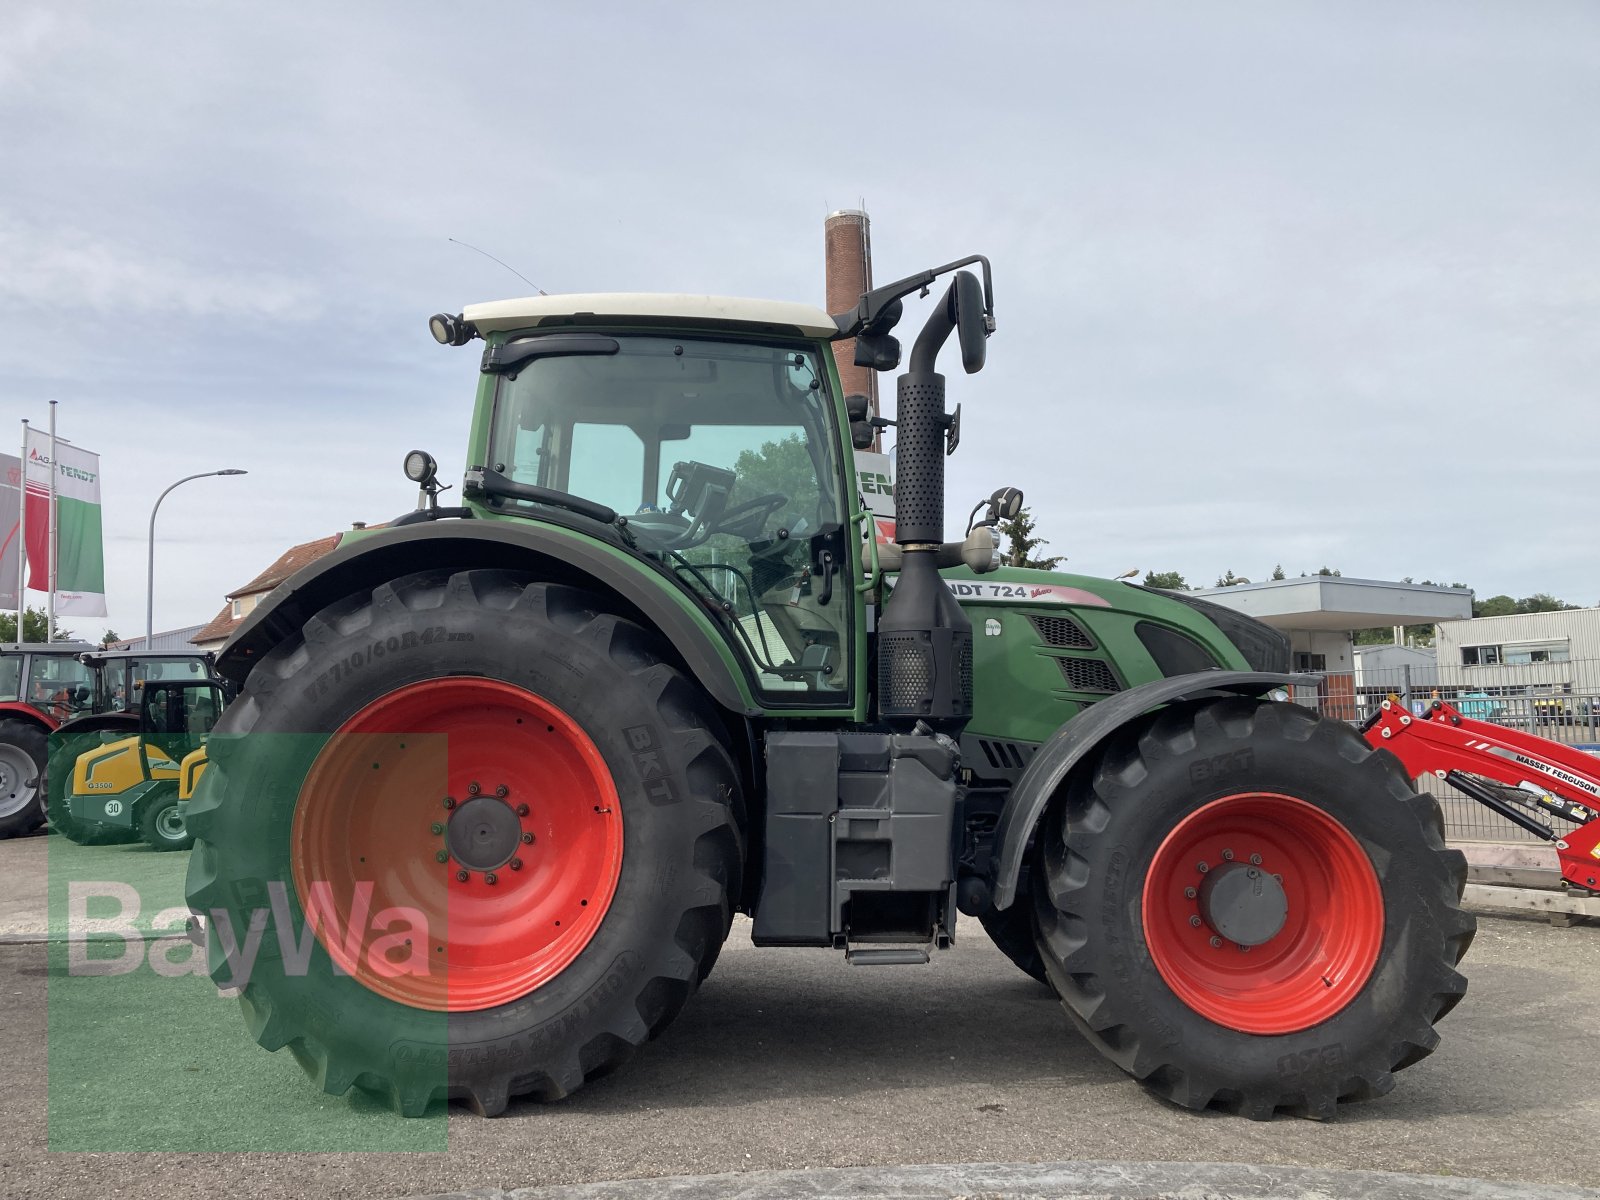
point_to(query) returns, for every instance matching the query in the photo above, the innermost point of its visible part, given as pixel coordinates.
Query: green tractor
(112, 701)
(139, 785)
(524, 759)
(55, 700)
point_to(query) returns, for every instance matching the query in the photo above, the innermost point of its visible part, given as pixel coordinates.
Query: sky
(1297, 284)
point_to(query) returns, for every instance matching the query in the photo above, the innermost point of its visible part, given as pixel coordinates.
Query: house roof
(290, 561)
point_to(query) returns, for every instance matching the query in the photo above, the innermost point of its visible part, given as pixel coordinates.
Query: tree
(1173, 581)
(1230, 580)
(782, 466)
(34, 621)
(1542, 602)
(1021, 544)
(1277, 572)
(109, 636)
(1326, 571)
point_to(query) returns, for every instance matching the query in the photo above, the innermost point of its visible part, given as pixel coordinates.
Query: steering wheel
(749, 518)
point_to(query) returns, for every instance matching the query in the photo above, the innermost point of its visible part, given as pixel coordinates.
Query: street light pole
(150, 568)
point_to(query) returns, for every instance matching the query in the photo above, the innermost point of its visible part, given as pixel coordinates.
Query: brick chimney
(847, 271)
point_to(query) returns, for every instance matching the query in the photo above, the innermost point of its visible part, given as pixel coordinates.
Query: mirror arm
(874, 302)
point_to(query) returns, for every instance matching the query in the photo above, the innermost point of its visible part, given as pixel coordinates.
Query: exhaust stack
(924, 637)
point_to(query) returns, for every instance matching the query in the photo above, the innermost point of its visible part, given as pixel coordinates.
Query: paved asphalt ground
(786, 1059)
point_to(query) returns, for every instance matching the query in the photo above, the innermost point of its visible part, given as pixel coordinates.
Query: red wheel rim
(401, 823)
(1320, 958)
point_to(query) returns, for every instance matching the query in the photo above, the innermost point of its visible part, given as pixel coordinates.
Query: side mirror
(857, 407)
(972, 325)
(862, 434)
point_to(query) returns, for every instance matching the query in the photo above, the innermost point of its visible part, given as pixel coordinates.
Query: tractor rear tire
(22, 765)
(1229, 817)
(162, 823)
(596, 739)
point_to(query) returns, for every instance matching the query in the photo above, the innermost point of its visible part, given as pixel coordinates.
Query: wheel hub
(483, 833)
(1243, 903)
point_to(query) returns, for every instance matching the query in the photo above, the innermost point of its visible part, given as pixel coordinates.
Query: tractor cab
(715, 455)
(121, 675)
(50, 679)
(176, 716)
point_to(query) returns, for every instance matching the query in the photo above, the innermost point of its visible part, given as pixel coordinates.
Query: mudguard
(554, 554)
(1075, 740)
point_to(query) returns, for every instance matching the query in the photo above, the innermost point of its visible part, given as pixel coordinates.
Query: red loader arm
(1547, 776)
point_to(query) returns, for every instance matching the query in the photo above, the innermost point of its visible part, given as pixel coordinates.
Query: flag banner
(80, 553)
(10, 531)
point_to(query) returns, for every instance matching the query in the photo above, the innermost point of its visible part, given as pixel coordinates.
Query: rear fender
(544, 551)
(16, 710)
(1075, 742)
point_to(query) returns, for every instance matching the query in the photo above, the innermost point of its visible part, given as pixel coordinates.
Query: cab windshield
(718, 453)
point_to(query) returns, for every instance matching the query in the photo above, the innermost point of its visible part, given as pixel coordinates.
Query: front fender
(549, 552)
(1073, 742)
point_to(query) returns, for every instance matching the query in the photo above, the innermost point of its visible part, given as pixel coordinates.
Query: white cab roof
(532, 311)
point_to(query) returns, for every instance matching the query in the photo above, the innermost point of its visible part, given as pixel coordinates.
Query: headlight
(420, 467)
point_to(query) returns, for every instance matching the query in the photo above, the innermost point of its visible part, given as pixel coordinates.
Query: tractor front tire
(573, 839)
(58, 786)
(1012, 932)
(22, 768)
(1246, 907)
(162, 822)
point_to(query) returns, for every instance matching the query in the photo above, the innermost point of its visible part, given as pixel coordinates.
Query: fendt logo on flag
(72, 523)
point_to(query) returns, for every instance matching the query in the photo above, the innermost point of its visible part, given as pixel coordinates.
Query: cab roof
(64, 648)
(651, 308)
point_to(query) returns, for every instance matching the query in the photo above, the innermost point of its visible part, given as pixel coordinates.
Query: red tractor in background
(56, 699)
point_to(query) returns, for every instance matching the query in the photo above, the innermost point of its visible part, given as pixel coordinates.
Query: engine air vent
(1062, 631)
(1088, 675)
(1012, 756)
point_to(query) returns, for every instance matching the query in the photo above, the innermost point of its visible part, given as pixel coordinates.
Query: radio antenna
(506, 265)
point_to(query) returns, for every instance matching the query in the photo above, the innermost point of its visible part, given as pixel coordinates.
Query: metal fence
(1555, 700)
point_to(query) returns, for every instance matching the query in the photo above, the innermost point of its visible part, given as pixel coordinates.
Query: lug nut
(1216, 942)
(449, 801)
(515, 864)
(1195, 921)
(491, 879)
(502, 791)
(1227, 855)
(1256, 859)
(1202, 867)
(527, 839)
(1189, 893)
(522, 810)
(473, 789)
(437, 827)
(441, 856)
(462, 877)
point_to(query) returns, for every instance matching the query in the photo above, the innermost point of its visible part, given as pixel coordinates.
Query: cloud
(65, 272)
